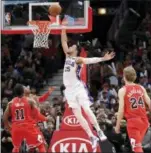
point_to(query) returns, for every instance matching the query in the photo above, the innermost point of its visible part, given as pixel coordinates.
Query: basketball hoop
(41, 31)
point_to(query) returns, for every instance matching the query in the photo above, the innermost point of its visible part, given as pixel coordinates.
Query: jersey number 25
(67, 69)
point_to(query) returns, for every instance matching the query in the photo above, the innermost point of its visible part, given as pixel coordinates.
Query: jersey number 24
(135, 103)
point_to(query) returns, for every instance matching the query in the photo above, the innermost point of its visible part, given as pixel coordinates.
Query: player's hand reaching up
(109, 56)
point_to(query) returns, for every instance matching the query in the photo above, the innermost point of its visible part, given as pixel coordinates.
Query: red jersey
(23, 124)
(134, 102)
(21, 111)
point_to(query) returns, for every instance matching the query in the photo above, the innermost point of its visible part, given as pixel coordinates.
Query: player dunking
(22, 110)
(132, 101)
(75, 92)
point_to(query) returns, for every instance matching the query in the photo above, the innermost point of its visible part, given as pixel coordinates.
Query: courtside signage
(72, 144)
(71, 121)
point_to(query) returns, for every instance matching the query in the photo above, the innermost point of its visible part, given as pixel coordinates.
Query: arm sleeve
(38, 116)
(93, 60)
(44, 97)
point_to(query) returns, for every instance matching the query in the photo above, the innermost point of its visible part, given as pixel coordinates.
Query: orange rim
(42, 25)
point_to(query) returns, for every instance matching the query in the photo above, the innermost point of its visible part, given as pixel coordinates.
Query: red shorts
(137, 128)
(29, 132)
(44, 141)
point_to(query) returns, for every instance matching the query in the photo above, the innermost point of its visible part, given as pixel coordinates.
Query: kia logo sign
(73, 144)
(71, 121)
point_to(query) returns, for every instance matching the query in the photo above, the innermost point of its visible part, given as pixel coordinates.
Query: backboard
(76, 16)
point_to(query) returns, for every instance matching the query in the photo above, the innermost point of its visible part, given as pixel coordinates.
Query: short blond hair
(130, 74)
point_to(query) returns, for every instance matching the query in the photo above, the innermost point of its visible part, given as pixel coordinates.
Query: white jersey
(76, 92)
(71, 74)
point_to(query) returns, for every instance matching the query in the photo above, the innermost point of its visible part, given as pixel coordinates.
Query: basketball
(54, 10)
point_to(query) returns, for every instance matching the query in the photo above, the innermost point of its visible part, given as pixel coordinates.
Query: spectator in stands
(8, 90)
(147, 141)
(6, 141)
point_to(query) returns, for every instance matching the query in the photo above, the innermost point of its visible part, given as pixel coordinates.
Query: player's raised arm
(120, 114)
(44, 97)
(6, 115)
(64, 41)
(108, 56)
(32, 103)
(35, 112)
(146, 98)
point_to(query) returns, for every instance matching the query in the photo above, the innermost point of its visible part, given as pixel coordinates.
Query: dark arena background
(96, 26)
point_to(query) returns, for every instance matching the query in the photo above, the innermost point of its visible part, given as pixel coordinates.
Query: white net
(41, 31)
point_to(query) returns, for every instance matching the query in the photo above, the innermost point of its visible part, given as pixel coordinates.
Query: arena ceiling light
(80, 2)
(102, 11)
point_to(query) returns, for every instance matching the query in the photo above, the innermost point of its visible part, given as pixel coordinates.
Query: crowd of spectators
(29, 67)
(106, 79)
(20, 63)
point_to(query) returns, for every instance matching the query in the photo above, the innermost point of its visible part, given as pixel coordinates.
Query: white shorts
(78, 97)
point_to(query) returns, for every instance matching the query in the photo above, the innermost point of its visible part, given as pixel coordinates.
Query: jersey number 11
(20, 114)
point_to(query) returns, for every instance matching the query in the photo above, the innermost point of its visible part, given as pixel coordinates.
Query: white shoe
(102, 136)
(94, 141)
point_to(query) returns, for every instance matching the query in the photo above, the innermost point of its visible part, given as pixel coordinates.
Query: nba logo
(8, 18)
(68, 20)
